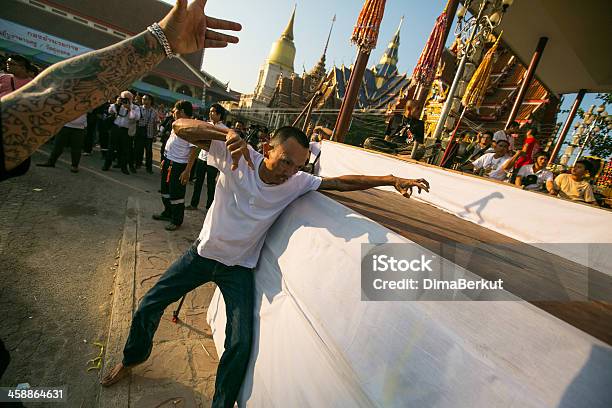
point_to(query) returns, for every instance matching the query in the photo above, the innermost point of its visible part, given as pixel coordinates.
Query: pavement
(77, 253)
(181, 369)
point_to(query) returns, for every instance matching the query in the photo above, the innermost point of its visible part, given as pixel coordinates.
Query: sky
(264, 20)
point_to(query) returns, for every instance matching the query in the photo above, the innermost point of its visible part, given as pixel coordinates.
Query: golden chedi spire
(283, 50)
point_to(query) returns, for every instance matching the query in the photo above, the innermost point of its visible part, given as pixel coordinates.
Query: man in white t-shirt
(216, 116)
(179, 157)
(491, 164)
(249, 196)
(509, 135)
(535, 177)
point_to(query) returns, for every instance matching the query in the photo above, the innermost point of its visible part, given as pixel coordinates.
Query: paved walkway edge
(122, 308)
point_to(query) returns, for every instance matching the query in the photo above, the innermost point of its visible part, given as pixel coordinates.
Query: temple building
(278, 64)
(382, 83)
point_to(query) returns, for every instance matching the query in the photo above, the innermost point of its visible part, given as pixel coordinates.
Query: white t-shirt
(244, 208)
(203, 153)
(124, 118)
(543, 177)
(177, 149)
(492, 166)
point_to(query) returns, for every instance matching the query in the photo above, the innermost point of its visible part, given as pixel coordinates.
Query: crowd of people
(507, 156)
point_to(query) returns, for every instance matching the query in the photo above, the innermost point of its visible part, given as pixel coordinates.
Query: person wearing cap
(125, 113)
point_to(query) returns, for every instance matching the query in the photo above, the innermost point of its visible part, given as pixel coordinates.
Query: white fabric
(177, 149)
(493, 205)
(125, 119)
(78, 123)
(492, 166)
(318, 345)
(244, 208)
(543, 176)
(203, 153)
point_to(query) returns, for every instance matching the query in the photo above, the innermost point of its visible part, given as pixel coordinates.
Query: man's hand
(404, 186)
(188, 29)
(184, 177)
(197, 131)
(238, 148)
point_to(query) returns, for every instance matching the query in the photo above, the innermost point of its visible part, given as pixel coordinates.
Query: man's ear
(267, 149)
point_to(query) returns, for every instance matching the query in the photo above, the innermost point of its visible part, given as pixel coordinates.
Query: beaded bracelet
(158, 33)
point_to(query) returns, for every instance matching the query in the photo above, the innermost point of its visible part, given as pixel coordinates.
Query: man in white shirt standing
(216, 116)
(249, 197)
(72, 134)
(509, 135)
(491, 165)
(125, 113)
(179, 157)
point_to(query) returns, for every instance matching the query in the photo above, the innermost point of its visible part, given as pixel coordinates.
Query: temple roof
(283, 50)
(387, 65)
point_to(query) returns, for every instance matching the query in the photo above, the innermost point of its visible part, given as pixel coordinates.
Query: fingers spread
(213, 35)
(214, 44)
(218, 24)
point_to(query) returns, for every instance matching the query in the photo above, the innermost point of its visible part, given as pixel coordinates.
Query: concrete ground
(60, 245)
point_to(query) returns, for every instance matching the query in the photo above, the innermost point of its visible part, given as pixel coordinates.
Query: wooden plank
(528, 272)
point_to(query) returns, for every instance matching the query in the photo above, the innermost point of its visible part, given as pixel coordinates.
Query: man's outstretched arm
(64, 91)
(354, 182)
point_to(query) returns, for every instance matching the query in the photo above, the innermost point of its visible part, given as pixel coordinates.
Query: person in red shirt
(531, 147)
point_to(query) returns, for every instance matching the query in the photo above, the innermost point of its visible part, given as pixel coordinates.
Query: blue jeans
(186, 274)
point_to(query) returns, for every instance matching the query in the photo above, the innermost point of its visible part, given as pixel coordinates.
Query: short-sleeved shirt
(571, 189)
(492, 166)
(533, 147)
(543, 176)
(177, 149)
(203, 153)
(245, 208)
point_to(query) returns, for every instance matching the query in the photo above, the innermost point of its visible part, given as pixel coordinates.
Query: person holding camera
(147, 125)
(125, 113)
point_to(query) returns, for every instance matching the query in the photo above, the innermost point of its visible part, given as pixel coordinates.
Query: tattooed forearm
(64, 91)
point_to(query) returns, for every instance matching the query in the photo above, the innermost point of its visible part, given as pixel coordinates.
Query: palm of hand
(185, 27)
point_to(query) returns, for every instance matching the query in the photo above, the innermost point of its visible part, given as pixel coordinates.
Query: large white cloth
(244, 208)
(317, 344)
(203, 153)
(177, 149)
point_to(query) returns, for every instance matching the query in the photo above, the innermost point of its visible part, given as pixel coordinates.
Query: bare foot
(116, 374)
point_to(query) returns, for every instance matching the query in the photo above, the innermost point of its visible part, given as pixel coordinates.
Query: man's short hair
(503, 141)
(488, 132)
(220, 110)
(185, 106)
(514, 124)
(542, 153)
(587, 165)
(150, 97)
(287, 132)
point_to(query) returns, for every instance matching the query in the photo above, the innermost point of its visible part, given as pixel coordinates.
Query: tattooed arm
(64, 91)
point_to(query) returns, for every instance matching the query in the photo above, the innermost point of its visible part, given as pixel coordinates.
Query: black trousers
(103, 136)
(184, 275)
(90, 136)
(173, 191)
(143, 148)
(118, 147)
(68, 137)
(204, 171)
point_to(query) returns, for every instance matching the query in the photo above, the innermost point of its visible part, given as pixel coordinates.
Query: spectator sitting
(509, 135)
(573, 186)
(535, 177)
(492, 164)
